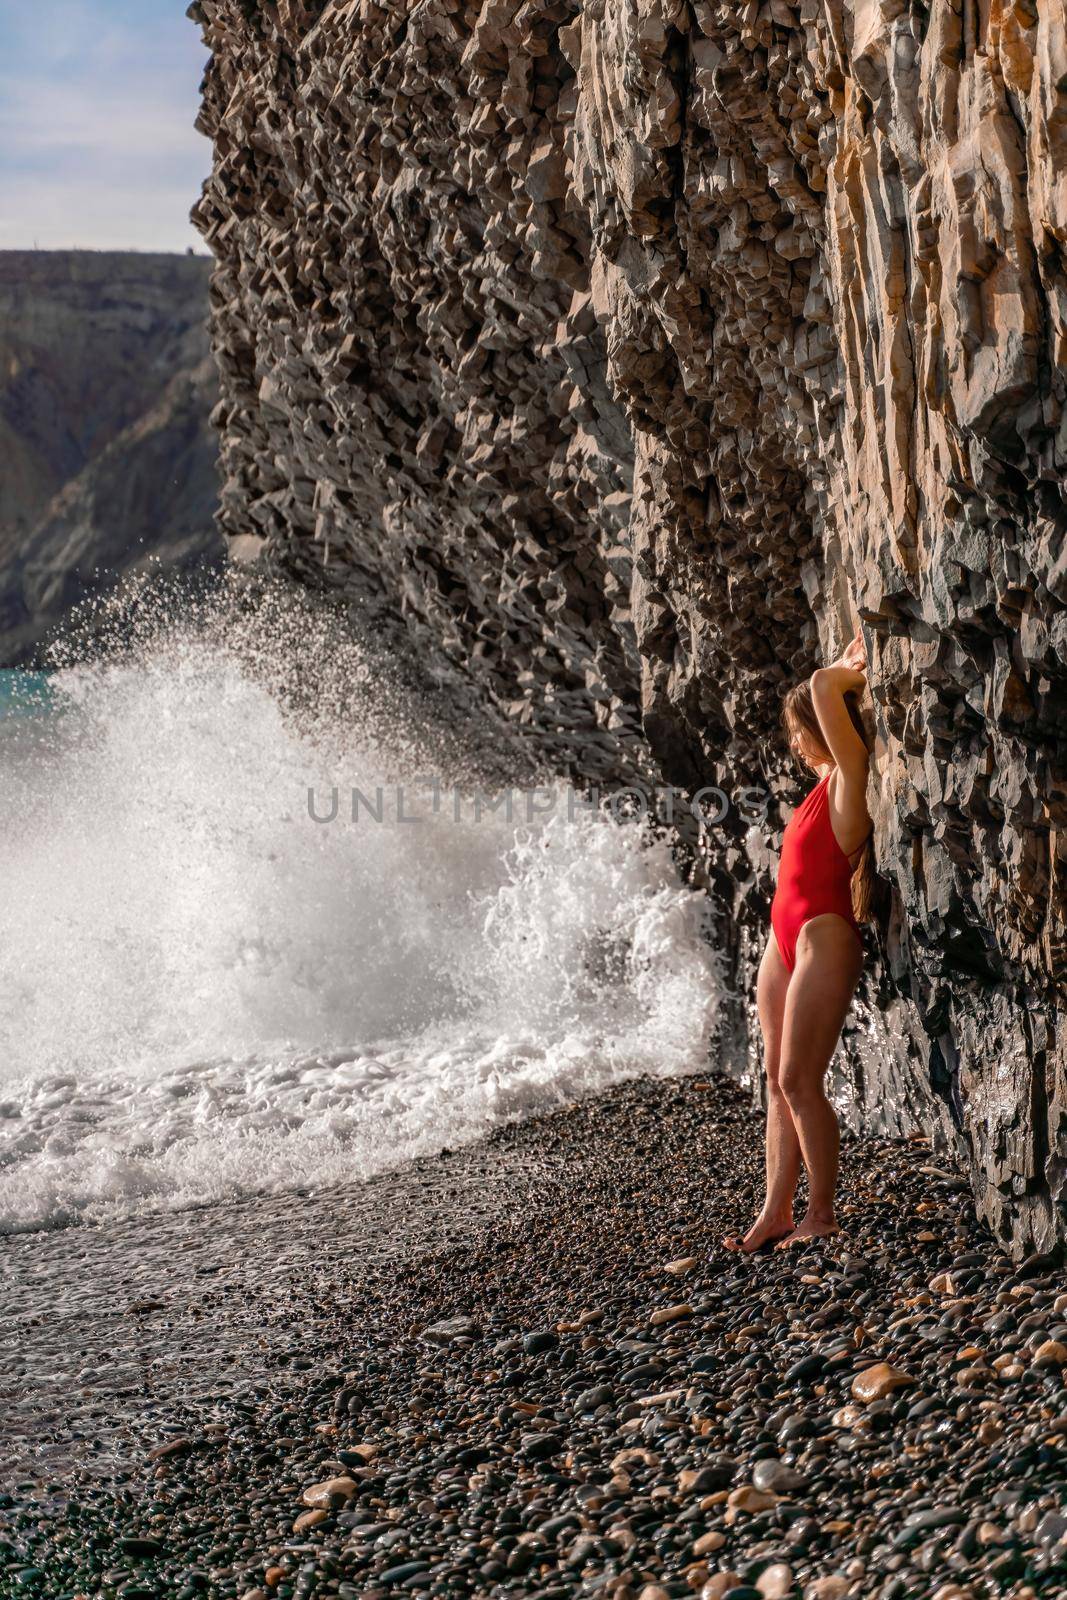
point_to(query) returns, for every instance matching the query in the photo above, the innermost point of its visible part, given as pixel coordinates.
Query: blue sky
(97, 144)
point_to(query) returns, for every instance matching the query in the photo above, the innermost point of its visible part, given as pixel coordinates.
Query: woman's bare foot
(765, 1230)
(809, 1228)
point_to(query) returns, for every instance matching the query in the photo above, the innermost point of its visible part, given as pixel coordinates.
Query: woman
(814, 955)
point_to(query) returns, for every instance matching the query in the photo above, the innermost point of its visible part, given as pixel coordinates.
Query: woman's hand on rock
(853, 659)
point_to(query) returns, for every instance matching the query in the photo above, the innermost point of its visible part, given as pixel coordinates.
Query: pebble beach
(575, 1390)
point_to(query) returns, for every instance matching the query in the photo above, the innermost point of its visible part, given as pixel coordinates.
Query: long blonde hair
(798, 712)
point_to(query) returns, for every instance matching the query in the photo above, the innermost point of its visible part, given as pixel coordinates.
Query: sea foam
(204, 991)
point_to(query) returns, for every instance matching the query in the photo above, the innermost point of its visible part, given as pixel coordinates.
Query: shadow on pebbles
(588, 1396)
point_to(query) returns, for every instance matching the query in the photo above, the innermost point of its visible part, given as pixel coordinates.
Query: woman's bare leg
(828, 964)
(783, 1146)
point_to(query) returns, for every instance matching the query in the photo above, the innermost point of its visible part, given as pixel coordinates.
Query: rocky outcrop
(106, 388)
(617, 356)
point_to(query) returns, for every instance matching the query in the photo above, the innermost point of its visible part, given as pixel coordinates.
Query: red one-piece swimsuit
(814, 874)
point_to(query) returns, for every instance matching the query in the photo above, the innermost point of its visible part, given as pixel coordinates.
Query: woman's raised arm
(829, 685)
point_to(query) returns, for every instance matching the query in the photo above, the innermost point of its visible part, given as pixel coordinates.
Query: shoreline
(118, 1326)
(581, 1393)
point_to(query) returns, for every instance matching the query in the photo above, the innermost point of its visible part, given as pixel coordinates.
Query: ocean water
(205, 992)
(24, 694)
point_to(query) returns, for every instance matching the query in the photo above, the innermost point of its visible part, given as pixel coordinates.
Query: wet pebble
(539, 1415)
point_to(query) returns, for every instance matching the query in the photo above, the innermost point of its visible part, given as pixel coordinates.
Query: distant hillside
(107, 454)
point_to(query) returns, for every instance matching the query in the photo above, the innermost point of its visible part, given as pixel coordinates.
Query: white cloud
(65, 215)
(97, 144)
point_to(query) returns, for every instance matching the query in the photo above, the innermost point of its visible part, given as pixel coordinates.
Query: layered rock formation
(616, 356)
(106, 389)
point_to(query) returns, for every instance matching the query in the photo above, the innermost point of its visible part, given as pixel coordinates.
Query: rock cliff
(617, 356)
(106, 388)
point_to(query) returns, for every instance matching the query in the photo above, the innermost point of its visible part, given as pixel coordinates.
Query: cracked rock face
(106, 386)
(615, 357)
